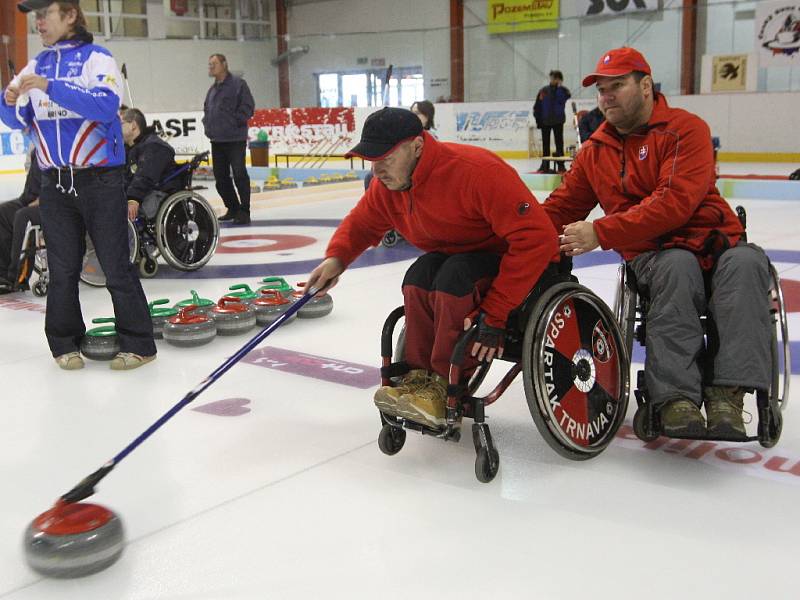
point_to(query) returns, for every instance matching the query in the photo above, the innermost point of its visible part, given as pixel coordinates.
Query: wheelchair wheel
(148, 267)
(391, 439)
(625, 308)
(487, 463)
(390, 239)
(92, 272)
(40, 289)
(576, 370)
(187, 231)
(779, 394)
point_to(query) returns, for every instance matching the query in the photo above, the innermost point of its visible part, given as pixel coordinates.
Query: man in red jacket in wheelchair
(651, 169)
(486, 241)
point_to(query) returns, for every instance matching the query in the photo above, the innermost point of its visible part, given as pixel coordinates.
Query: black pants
(558, 133)
(7, 212)
(227, 156)
(99, 208)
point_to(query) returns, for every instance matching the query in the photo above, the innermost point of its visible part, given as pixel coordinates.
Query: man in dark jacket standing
(228, 107)
(149, 159)
(548, 111)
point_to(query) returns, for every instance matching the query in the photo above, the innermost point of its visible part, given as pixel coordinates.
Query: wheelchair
(177, 223)
(630, 309)
(568, 346)
(33, 259)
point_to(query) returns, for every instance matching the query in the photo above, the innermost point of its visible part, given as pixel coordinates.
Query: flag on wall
(511, 16)
(777, 30)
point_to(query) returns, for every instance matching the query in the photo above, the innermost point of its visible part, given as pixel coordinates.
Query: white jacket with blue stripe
(75, 122)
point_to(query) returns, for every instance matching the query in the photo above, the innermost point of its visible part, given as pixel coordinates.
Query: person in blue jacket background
(549, 113)
(68, 98)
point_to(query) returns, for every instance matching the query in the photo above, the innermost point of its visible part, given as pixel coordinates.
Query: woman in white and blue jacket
(68, 98)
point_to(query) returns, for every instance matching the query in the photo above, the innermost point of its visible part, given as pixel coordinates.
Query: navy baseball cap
(29, 5)
(384, 130)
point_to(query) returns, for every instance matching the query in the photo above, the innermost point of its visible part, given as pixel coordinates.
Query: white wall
(340, 31)
(172, 75)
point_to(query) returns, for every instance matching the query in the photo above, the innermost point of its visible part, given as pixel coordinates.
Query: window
(217, 19)
(365, 88)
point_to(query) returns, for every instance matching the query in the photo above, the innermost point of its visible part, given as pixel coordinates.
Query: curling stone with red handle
(190, 328)
(314, 308)
(101, 343)
(232, 316)
(271, 305)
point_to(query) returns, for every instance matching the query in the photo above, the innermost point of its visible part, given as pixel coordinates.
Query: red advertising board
(298, 130)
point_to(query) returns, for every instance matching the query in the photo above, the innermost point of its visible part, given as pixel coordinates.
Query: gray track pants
(738, 304)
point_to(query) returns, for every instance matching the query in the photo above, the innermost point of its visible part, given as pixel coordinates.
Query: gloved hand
(490, 339)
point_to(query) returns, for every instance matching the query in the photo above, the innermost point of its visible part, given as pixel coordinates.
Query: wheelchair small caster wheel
(390, 239)
(643, 429)
(391, 439)
(40, 289)
(148, 268)
(769, 432)
(487, 463)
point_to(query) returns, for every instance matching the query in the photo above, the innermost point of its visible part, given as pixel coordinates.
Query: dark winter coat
(228, 107)
(149, 161)
(548, 110)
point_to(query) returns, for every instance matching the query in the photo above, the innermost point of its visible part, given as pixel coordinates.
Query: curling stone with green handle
(232, 316)
(159, 316)
(314, 308)
(243, 292)
(190, 327)
(271, 305)
(101, 343)
(204, 305)
(276, 283)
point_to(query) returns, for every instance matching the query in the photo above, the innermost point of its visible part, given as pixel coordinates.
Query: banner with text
(606, 8)
(511, 16)
(302, 130)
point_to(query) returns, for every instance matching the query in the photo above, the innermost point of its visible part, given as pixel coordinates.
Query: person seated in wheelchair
(149, 159)
(486, 242)
(14, 218)
(651, 169)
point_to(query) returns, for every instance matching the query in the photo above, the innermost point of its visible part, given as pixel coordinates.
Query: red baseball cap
(619, 61)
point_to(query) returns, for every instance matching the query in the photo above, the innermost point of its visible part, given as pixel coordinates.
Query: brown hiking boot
(386, 397)
(427, 405)
(682, 418)
(724, 411)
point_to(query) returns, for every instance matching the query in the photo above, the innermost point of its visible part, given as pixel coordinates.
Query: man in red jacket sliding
(486, 241)
(651, 169)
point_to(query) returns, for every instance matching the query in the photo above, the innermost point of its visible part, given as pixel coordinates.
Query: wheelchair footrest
(452, 434)
(711, 438)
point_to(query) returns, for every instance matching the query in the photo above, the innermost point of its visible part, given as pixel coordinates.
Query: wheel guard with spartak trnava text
(581, 382)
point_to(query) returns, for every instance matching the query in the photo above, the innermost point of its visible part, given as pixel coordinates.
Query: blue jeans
(100, 208)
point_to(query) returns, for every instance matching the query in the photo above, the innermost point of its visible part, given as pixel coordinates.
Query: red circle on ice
(262, 242)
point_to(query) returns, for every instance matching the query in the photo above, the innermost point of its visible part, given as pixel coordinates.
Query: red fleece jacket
(656, 186)
(462, 199)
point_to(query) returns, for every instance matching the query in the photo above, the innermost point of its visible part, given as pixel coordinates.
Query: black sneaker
(228, 216)
(242, 218)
